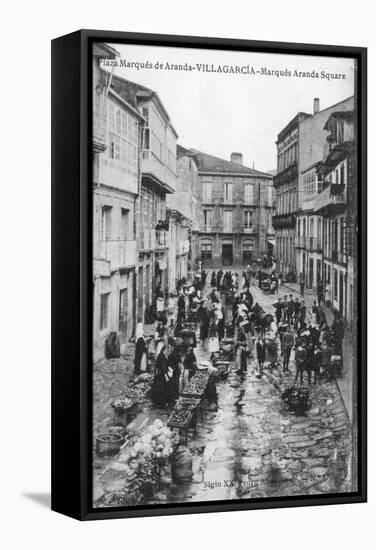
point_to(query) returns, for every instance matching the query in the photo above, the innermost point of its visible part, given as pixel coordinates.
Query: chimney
(237, 158)
(316, 105)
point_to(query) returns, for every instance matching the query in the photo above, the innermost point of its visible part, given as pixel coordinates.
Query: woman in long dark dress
(140, 361)
(190, 363)
(213, 280)
(159, 391)
(173, 385)
(204, 324)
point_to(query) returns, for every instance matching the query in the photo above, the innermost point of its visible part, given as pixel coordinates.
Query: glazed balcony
(158, 172)
(331, 201)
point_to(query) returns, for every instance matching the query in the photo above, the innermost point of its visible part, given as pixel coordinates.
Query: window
(248, 193)
(206, 250)
(227, 220)
(103, 323)
(310, 183)
(248, 219)
(145, 114)
(124, 224)
(123, 136)
(335, 280)
(207, 218)
(106, 223)
(206, 191)
(270, 195)
(342, 174)
(228, 191)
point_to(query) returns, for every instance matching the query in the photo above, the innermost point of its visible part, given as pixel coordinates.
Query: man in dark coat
(219, 279)
(278, 310)
(290, 309)
(300, 360)
(287, 342)
(260, 351)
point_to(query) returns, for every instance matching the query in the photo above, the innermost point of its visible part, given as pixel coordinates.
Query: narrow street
(251, 447)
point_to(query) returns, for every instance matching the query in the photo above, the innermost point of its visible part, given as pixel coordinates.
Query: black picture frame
(71, 272)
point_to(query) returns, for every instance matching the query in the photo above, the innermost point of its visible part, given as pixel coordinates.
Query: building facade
(182, 214)
(236, 207)
(157, 179)
(187, 199)
(286, 189)
(313, 134)
(309, 228)
(300, 147)
(338, 170)
(116, 139)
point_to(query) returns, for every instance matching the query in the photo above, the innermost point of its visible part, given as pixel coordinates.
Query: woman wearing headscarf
(204, 318)
(159, 391)
(159, 338)
(140, 362)
(241, 346)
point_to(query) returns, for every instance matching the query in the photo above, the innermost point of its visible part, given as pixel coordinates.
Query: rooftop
(211, 164)
(132, 92)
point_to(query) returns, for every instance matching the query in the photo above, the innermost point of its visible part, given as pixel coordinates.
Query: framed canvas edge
(87, 512)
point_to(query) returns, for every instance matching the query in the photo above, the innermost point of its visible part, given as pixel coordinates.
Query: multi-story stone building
(300, 150)
(116, 131)
(182, 210)
(338, 169)
(312, 142)
(286, 186)
(308, 240)
(157, 180)
(236, 206)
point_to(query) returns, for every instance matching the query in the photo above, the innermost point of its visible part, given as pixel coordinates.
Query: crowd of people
(230, 322)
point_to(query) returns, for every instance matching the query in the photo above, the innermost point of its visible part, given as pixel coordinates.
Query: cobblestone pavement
(251, 447)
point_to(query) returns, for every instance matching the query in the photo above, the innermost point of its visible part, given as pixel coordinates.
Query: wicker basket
(108, 444)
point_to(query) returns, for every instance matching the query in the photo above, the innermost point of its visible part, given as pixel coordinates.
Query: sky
(219, 113)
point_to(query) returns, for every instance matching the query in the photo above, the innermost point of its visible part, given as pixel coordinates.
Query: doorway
(123, 311)
(227, 254)
(310, 273)
(341, 292)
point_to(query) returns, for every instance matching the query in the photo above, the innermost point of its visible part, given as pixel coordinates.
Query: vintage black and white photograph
(225, 275)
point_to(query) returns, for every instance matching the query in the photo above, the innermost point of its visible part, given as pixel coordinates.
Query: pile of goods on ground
(143, 462)
(122, 403)
(297, 399)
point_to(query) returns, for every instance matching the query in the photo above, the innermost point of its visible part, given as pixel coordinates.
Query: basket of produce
(197, 385)
(179, 418)
(108, 444)
(122, 404)
(137, 392)
(187, 403)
